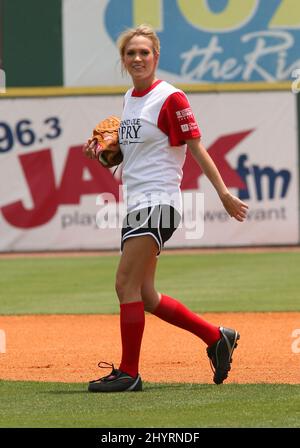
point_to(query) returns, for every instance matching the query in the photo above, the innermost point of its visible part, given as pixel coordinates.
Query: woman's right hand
(89, 149)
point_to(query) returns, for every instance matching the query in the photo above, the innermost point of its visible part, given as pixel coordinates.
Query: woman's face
(139, 59)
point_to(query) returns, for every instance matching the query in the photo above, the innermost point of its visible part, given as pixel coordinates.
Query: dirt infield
(67, 348)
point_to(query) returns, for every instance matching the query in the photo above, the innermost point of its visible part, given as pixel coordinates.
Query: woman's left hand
(234, 206)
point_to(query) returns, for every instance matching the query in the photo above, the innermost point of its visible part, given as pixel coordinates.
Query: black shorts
(159, 221)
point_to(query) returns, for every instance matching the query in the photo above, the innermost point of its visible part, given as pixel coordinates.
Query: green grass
(32, 404)
(204, 282)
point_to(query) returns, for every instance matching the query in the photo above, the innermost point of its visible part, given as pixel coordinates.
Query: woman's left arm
(233, 205)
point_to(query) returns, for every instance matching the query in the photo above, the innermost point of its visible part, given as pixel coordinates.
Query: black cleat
(220, 354)
(116, 381)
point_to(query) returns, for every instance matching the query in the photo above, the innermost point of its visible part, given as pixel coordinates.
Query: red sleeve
(176, 119)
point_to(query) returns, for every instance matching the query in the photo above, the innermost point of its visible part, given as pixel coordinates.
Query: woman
(156, 125)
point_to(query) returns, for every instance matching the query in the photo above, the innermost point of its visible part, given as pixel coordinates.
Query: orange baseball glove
(107, 149)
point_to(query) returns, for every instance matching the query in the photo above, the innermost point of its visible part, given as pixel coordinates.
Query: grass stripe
(35, 404)
(204, 282)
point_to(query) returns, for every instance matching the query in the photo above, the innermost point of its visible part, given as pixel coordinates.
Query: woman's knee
(127, 290)
(137, 258)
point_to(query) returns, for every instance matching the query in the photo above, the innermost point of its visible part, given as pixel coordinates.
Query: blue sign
(217, 40)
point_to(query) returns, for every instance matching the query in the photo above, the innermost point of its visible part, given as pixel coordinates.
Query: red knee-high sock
(177, 314)
(132, 323)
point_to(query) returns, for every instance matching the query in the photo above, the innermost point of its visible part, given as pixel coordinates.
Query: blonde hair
(141, 30)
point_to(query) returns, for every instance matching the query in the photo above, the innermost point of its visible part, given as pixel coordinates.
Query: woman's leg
(149, 294)
(221, 341)
(138, 254)
(173, 311)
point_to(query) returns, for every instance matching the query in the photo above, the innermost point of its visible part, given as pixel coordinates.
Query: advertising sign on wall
(53, 198)
(202, 41)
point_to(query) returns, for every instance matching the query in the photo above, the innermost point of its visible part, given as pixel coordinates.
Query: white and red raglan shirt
(154, 126)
